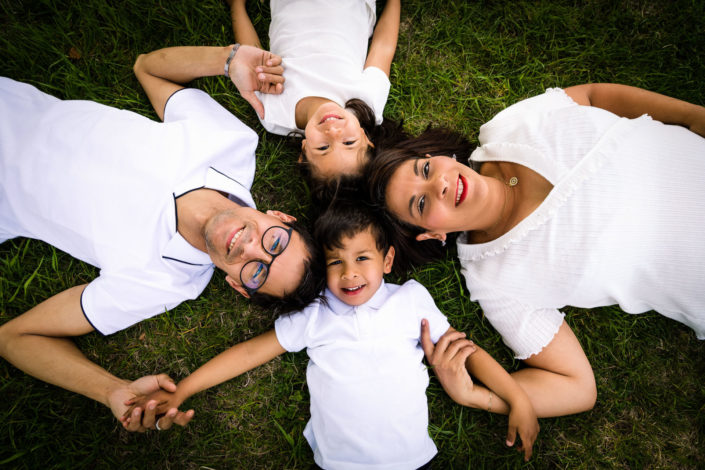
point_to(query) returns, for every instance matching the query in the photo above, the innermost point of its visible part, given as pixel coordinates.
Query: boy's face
(355, 271)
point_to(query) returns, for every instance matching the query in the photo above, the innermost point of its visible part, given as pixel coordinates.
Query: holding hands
(138, 404)
(253, 69)
(454, 356)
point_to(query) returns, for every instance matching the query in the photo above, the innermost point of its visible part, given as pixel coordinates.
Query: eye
(349, 142)
(275, 244)
(322, 148)
(334, 262)
(259, 271)
(421, 204)
(425, 169)
(362, 258)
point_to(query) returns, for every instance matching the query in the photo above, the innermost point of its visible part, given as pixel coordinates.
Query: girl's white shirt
(323, 45)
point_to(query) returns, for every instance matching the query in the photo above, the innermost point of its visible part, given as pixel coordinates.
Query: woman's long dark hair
(378, 172)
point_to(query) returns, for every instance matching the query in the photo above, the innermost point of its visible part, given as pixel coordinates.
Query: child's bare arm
(229, 364)
(502, 395)
(384, 39)
(243, 28)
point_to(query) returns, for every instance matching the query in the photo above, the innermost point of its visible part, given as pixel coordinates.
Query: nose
(441, 186)
(252, 249)
(348, 272)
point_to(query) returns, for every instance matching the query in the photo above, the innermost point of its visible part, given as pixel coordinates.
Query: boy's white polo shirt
(101, 183)
(366, 377)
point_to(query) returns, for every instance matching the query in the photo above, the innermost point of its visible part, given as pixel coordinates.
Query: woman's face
(436, 193)
(335, 142)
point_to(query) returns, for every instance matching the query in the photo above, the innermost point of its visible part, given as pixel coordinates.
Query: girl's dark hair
(378, 172)
(385, 135)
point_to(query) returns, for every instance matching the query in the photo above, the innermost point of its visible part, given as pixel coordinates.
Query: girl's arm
(452, 357)
(384, 39)
(242, 24)
(632, 102)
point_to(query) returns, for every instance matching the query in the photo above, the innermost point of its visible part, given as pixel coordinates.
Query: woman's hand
(523, 420)
(447, 358)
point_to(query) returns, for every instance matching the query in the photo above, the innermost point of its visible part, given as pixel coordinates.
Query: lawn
(457, 64)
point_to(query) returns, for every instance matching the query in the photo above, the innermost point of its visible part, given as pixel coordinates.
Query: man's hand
(448, 358)
(141, 420)
(253, 69)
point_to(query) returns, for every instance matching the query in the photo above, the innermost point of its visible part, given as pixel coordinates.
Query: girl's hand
(523, 420)
(447, 358)
(160, 402)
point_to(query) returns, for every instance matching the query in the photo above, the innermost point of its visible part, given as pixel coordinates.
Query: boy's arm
(243, 28)
(450, 355)
(164, 71)
(632, 102)
(230, 363)
(384, 39)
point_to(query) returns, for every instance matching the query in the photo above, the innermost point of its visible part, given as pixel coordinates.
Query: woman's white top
(623, 223)
(323, 45)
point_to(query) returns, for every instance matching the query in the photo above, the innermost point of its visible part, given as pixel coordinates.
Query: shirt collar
(341, 308)
(180, 250)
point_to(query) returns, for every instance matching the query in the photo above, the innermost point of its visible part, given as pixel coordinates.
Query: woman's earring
(443, 243)
(455, 157)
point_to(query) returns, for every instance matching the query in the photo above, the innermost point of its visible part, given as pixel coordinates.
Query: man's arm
(632, 102)
(165, 71)
(384, 39)
(37, 342)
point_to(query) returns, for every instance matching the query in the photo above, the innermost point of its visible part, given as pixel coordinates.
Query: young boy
(365, 375)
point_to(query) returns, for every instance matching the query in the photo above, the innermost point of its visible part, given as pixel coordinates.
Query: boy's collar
(376, 301)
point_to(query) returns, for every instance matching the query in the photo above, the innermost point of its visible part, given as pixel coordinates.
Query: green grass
(457, 64)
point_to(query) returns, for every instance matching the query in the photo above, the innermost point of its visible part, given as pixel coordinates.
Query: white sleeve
(526, 330)
(425, 307)
(376, 85)
(292, 328)
(194, 104)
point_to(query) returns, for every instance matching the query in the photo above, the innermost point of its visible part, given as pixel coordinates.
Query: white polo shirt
(100, 184)
(366, 378)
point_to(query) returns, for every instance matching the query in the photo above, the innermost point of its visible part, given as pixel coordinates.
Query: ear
(303, 150)
(237, 286)
(389, 260)
(282, 216)
(431, 236)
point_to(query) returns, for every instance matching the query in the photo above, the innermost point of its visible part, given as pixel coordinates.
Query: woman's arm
(632, 102)
(452, 357)
(384, 39)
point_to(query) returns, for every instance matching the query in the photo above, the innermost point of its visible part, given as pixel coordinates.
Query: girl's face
(436, 193)
(335, 143)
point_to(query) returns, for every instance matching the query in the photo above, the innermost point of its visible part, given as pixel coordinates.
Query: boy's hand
(523, 420)
(159, 402)
(253, 69)
(447, 358)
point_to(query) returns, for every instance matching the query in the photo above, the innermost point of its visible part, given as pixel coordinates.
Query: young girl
(365, 375)
(335, 88)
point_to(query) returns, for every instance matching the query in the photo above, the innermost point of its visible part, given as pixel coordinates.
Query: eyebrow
(411, 201)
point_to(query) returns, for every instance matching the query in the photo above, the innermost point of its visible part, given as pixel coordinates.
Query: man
(153, 205)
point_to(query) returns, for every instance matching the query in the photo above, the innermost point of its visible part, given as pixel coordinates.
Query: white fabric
(100, 184)
(323, 45)
(623, 223)
(366, 378)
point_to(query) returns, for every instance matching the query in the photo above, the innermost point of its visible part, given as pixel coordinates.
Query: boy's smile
(355, 271)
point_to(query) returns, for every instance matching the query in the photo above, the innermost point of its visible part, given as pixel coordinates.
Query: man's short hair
(312, 283)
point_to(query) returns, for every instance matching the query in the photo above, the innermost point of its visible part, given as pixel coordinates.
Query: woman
(571, 205)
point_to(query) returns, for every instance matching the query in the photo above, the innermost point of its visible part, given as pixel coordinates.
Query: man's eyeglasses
(254, 273)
